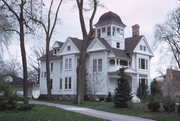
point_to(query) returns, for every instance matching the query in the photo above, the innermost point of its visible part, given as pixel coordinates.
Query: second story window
(103, 29)
(97, 65)
(51, 66)
(55, 52)
(118, 45)
(118, 30)
(61, 65)
(68, 63)
(143, 63)
(123, 62)
(108, 31)
(98, 33)
(68, 48)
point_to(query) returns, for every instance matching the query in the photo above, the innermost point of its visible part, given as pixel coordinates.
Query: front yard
(44, 113)
(137, 109)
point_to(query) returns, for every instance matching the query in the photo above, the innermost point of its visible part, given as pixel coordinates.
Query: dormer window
(98, 32)
(103, 29)
(108, 31)
(68, 48)
(55, 52)
(118, 45)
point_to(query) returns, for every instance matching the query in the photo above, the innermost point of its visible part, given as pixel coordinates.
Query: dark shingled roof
(131, 43)
(117, 52)
(77, 42)
(110, 17)
(18, 80)
(60, 43)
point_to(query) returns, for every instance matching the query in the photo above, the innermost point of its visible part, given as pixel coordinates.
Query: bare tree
(94, 84)
(81, 69)
(34, 71)
(168, 35)
(48, 28)
(17, 10)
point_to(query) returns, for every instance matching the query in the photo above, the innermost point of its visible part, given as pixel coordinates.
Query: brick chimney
(135, 30)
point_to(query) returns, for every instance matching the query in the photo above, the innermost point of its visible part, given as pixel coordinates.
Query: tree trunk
(48, 68)
(23, 55)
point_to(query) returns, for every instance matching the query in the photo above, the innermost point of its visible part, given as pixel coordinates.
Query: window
(51, 84)
(114, 31)
(94, 65)
(68, 48)
(118, 45)
(141, 47)
(112, 61)
(143, 81)
(68, 63)
(118, 30)
(51, 66)
(68, 83)
(97, 65)
(60, 83)
(98, 32)
(55, 51)
(124, 62)
(108, 31)
(144, 48)
(103, 29)
(143, 63)
(61, 65)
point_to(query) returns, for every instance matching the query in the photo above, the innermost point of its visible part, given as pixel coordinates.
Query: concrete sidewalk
(92, 112)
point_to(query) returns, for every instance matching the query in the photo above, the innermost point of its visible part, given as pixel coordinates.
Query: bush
(86, 98)
(101, 99)
(109, 98)
(122, 92)
(142, 92)
(3, 105)
(178, 109)
(168, 104)
(24, 107)
(154, 106)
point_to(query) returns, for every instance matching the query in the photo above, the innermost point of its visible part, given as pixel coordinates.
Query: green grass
(44, 113)
(136, 109)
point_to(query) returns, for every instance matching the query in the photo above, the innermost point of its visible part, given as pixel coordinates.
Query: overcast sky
(146, 13)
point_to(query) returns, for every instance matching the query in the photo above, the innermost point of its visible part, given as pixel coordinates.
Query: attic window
(68, 48)
(55, 51)
(103, 29)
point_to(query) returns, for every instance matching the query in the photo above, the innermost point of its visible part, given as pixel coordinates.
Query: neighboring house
(171, 83)
(16, 84)
(108, 51)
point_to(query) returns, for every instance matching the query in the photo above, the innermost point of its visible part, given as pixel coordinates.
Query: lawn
(44, 113)
(137, 109)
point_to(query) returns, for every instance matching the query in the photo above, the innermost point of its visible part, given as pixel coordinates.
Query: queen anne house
(107, 51)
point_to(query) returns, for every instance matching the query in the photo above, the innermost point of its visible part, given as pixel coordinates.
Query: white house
(108, 51)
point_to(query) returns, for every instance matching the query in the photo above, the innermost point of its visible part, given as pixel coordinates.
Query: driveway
(92, 112)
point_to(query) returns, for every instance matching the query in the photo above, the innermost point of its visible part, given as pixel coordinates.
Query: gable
(69, 47)
(95, 45)
(143, 47)
(55, 45)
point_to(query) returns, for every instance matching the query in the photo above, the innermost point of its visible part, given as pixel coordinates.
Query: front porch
(132, 77)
